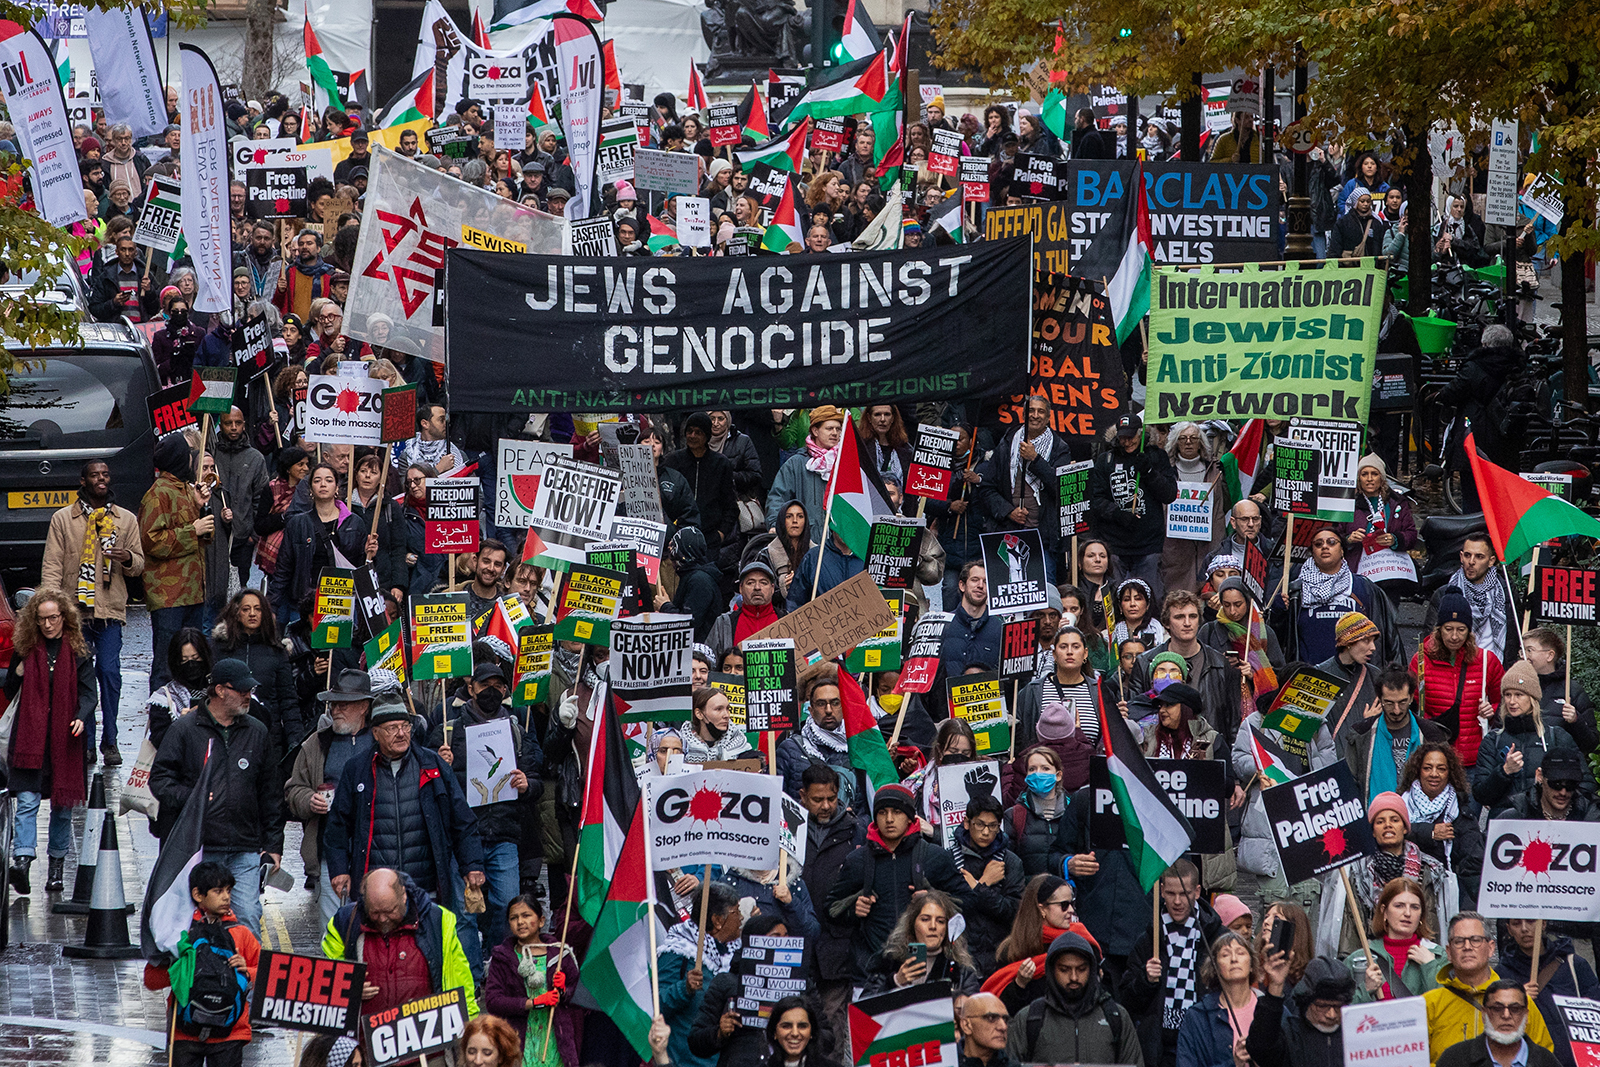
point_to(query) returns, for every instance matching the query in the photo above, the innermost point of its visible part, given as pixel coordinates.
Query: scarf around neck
(99, 538)
(1382, 775)
(1044, 444)
(822, 744)
(821, 460)
(1319, 590)
(1443, 808)
(683, 940)
(1487, 599)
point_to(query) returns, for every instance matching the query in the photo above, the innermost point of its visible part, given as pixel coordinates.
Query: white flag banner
(125, 68)
(39, 111)
(532, 60)
(203, 150)
(412, 216)
(582, 90)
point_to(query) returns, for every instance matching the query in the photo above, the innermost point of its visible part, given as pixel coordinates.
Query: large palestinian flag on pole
(1518, 513)
(856, 495)
(1239, 463)
(865, 87)
(785, 152)
(1158, 834)
(610, 800)
(868, 750)
(915, 1024)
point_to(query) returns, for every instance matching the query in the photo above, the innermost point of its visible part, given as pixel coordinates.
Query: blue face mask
(1041, 782)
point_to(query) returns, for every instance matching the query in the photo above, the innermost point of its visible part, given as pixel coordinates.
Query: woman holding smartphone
(920, 949)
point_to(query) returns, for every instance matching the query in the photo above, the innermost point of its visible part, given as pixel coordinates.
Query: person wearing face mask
(188, 667)
(486, 699)
(175, 344)
(711, 736)
(318, 763)
(1300, 1026)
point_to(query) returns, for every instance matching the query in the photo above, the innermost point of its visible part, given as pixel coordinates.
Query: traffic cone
(88, 853)
(106, 937)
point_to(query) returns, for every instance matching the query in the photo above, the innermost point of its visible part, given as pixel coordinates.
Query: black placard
(452, 500)
(1565, 595)
(1198, 787)
(1319, 822)
(275, 192)
(892, 552)
(309, 993)
(1254, 574)
(415, 1028)
(1393, 382)
(1019, 643)
(252, 346)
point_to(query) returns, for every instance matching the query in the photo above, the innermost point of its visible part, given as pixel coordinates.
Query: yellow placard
(441, 664)
(489, 242)
(583, 629)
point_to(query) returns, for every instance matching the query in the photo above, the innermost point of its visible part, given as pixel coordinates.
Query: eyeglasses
(1563, 785)
(988, 826)
(50, 618)
(1505, 1009)
(1474, 941)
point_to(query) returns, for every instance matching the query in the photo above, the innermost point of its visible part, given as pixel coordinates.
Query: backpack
(1514, 404)
(210, 995)
(1035, 1024)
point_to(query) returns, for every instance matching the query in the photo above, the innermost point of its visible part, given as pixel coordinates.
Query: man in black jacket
(242, 825)
(1018, 490)
(1503, 1043)
(1129, 489)
(1161, 984)
(710, 476)
(1088, 141)
(994, 877)
(1304, 1032)
(121, 287)
(832, 833)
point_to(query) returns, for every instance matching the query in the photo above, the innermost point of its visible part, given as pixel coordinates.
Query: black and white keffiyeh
(1183, 970)
(1487, 599)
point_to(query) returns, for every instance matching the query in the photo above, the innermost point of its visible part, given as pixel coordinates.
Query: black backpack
(218, 995)
(1514, 404)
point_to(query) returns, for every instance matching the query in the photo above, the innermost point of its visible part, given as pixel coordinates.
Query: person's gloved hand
(568, 711)
(559, 980)
(548, 1000)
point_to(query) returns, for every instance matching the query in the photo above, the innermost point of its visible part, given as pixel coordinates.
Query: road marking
(280, 927)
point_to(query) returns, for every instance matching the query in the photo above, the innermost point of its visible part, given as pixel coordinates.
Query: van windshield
(71, 401)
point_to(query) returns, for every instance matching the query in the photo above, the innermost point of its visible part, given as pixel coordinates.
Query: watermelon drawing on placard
(524, 488)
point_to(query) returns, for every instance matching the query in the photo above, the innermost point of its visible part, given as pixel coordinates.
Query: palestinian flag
(868, 750)
(860, 37)
(855, 495)
(1521, 515)
(899, 45)
(883, 1029)
(610, 800)
(662, 235)
(889, 167)
(1129, 291)
(947, 217)
(1158, 834)
(613, 78)
(614, 974)
(410, 104)
(480, 33)
(863, 87)
(784, 229)
(543, 9)
(324, 86)
(505, 620)
(785, 152)
(536, 109)
(1054, 114)
(1271, 761)
(753, 116)
(1240, 463)
(695, 98)
(211, 391)
(167, 909)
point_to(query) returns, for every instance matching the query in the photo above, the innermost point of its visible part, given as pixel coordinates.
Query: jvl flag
(211, 390)
(911, 1025)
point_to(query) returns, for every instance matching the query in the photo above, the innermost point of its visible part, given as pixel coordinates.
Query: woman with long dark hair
(793, 1031)
(52, 679)
(248, 631)
(272, 506)
(309, 540)
(790, 544)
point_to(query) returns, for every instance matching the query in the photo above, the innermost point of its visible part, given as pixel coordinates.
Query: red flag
(480, 32)
(613, 78)
(695, 99)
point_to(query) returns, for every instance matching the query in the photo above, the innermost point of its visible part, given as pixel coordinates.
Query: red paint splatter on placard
(347, 401)
(494, 72)
(1537, 856)
(1333, 843)
(705, 805)
(281, 205)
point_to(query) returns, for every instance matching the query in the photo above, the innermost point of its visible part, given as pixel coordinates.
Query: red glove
(548, 1000)
(559, 979)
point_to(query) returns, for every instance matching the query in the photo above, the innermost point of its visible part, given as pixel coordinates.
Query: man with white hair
(320, 761)
(122, 163)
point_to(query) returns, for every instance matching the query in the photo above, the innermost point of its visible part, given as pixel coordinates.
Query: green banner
(1277, 343)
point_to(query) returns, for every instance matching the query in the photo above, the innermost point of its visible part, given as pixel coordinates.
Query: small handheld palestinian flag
(784, 229)
(695, 99)
(1240, 462)
(211, 390)
(1271, 761)
(1158, 834)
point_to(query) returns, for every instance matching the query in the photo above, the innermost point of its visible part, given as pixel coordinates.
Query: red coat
(1439, 678)
(248, 947)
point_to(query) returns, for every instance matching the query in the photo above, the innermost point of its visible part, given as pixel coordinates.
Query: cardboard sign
(835, 622)
(1254, 575)
(933, 460)
(651, 667)
(619, 139)
(491, 753)
(946, 154)
(586, 602)
(959, 784)
(1564, 595)
(310, 993)
(1198, 788)
(1385, 1033)
(976, 697)
(694, 222)
(827, 135)
(510, 128)
(1189, 516)
(535, 647)
(573, 506)
(881, 651)
(344, 411)
(1019, 642)
(771, 968)
(1340, 445)
(1540, 869)
(666, 172)
(1014, 562)
(715, 816)
(723, 125)
(275, 192)
(169, 410)
(1072, 489)
(641, 493)
(518, 468)
(974, 178)
(441, 636)
(592, 237)
(387, 651)
(1304, 701)
(892, 551)
(921, 661)
(771, 680)
(333, 612)
(1319, 823)
(1296, 477)
(417, 1027)
(161, 222)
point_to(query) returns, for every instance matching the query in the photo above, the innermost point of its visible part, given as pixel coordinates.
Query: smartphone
(1282, 935)
(919, 952)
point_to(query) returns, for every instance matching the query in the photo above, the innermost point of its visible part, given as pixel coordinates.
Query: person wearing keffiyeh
(1396, 857)
(1018, 490)
(92, 548)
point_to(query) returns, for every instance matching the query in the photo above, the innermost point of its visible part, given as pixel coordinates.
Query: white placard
(1538, 869)
(1189, 516)
(284, 152)
(1387, 1033)
(694, 222)
(519, 465)
(510, 127)
(667, 172)
(793, 838)
(491, 758)
(1386, 565)
(591, 237)
(958, 784)
(344, 411)
(1500, 206)
(640, 490)
(728, 817)
(574, 508)
(619, 139)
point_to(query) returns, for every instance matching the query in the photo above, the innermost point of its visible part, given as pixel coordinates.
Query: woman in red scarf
(1044, 913)
(54, 673)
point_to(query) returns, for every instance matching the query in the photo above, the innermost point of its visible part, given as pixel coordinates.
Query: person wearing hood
(318, 764)
(1471, 392)
(1153, 986)
(804, 477)
(822, 568)
(175, 531)
(994, 878)
(1358, 232)
(1227, 633)
(758, 608)
(242, 473)
(1510, 756)
(1077, 1020)
(678, 504)
(710, 478)
(699, 581)
(1562, 973)
(1301, 1029)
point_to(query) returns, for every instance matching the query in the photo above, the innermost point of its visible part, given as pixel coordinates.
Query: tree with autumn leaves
(1385, 72)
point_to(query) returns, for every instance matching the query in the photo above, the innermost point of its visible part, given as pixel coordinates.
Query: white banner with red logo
(39, 112)
(582, 77)
(203, 150)
(729, 817)
(412, 215)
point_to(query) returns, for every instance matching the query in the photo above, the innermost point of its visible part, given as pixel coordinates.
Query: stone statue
(751, 35)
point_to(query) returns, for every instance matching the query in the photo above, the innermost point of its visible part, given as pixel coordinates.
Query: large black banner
(527, 333)
(1075, 363)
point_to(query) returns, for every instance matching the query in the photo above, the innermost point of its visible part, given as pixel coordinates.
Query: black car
(64, 407)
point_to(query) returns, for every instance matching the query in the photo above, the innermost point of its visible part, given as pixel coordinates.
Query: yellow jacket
(1454, 1015)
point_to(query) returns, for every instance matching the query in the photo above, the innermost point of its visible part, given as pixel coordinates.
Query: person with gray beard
(321, 759)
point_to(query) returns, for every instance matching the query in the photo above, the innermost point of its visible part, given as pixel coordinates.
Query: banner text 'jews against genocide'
(920, 324)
